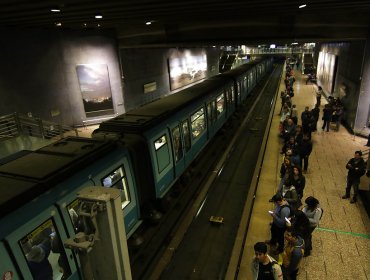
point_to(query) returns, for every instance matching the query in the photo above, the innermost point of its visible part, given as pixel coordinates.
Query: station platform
(341, 243)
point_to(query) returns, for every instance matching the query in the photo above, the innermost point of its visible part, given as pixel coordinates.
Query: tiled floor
(341, 244)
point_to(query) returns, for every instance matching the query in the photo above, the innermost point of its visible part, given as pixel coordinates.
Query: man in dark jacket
(356, 168)
(305, 150)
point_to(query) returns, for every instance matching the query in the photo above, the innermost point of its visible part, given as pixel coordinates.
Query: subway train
(142, 153)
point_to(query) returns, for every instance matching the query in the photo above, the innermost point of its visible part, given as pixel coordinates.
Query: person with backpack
(314, 213)
(278, 225)
(356, 169)
(292, 255)
(264, 267)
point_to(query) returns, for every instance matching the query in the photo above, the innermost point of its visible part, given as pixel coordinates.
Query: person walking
(264, 267)
(318, 96)
(356, 168)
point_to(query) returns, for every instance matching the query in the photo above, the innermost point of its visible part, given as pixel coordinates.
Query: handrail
(16, 124)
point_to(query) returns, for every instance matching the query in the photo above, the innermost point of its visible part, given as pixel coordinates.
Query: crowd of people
(293, 222)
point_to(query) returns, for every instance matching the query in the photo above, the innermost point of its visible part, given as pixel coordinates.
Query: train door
(197, 131)
(185, 129)
(8, 270)
(211, 118)
(37, 247)
(178, 150)
(161, 150)
(245, 86)
(230, 100)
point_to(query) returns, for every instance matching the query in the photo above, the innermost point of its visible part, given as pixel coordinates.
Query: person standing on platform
(292, 255)
(356, 168)
(313, 212)
(315, 114)
(318, 96)
(326, 117)
(305, 150)
(278, 226)
(264, 267)
(368, 141)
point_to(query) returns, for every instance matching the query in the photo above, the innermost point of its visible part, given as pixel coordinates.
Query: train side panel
(7, 268)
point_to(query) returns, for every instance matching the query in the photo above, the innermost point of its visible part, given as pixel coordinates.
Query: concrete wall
(38, 72)
(143, 66)
(363, 111)
(348, 81)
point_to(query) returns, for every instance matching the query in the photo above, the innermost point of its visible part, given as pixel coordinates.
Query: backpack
(291, 212)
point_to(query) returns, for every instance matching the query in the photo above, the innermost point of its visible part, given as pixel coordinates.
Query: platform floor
(341, 243)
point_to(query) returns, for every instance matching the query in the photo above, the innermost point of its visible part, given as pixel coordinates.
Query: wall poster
(326, 70)
(186, 67)
(95, 89)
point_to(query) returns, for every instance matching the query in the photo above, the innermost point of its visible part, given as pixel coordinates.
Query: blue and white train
(142, 153)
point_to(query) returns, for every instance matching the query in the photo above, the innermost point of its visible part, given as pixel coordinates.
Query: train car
(142, 153)
(175, 129)
(38, 202)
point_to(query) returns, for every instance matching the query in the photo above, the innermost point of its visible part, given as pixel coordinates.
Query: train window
(117, 179)
(186, 134)
(72, 211)
(177, 144)
(238, 87)
(232, 93)
(220, 103)
(162, 152)
(45, 253)
(197, 123)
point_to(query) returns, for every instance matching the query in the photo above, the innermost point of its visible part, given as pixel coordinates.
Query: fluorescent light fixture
(55, 10)
(148, 23)
(98, 16)
(272, 46)
(302, 6)
(58, 24)
(294, 43)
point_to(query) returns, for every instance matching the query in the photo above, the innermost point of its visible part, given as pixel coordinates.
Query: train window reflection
(45, 253)
(177, 144)
(197, 123)
(160, 142)
(162, 152)
(117, 179)
(186, 134)
(220, 104)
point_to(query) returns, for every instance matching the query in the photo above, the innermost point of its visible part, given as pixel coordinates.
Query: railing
(279, 50)
(15, 124)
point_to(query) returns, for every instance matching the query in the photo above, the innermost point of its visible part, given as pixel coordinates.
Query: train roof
(31, 174)
(140, 119)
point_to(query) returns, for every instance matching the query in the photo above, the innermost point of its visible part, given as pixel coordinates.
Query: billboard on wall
(326, 70)
(186, 67)
(95, 89)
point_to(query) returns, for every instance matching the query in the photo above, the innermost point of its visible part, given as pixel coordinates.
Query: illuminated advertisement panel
(326, 70)
(95, 89)
(186, 67)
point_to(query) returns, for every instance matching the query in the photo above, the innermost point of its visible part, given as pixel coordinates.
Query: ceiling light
(58, 24)
(148, 23)
(302, 6)
(98, 25)
(295, 43)
(98, 16)
(55, 10)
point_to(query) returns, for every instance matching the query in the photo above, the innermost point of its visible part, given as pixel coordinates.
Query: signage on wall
(150, 87)
(95, 89)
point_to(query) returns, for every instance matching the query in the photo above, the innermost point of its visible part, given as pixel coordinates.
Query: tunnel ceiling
(197, 22)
